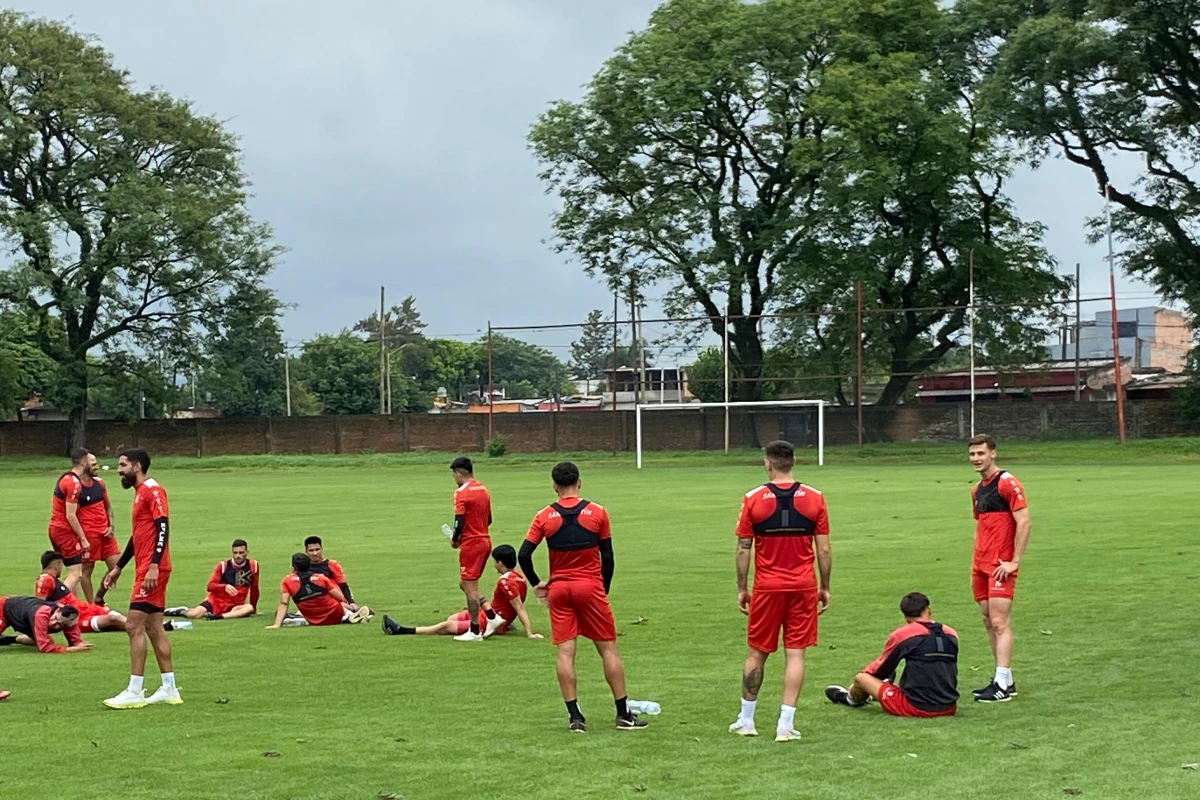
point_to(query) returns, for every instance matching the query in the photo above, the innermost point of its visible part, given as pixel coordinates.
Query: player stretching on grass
(929, 685)
(232, 589)
(780, 522)
(1002, 529)
(34, 619)
(508, 600)
(472, 516)
(579, 538)
(92, 616)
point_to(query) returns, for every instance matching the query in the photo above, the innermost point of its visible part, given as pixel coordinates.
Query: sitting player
(328, 567)
(232, 589)
(92, 616)
(318, 598)
(929, 685)
(34, 619)
(508, 603)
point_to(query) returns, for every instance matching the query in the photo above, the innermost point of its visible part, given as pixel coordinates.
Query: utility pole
(382, 357)
(287, 379)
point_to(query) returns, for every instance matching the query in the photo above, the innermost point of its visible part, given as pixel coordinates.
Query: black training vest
(88, 495)
(987, 496)
(232, 575)
(60, 591)
(20, 611)
(571, 535)
(930, 677)
(786, 520)
(308, 590)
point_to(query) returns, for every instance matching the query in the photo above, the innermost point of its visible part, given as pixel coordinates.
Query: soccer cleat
(494, 624)
(993, 694)
(363, 614)
(841, 696)
(165, 696)
(126, 699)
(787, 735)
(176, 611)
(744, 727)
(577, 726)
(630, 723)
(389, 626)
(469, 637)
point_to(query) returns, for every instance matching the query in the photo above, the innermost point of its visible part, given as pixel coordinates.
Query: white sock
(168, 680)
(135, 683)
(1004, 677)
(747, 714)
(787, 717)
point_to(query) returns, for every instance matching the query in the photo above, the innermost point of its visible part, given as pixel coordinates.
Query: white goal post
(818, 404)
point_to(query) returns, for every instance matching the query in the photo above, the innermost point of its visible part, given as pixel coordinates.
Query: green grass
(1105, 621)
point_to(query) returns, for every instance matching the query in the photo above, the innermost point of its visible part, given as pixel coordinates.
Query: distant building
(1052, 380)
(1152, 337)
(662, 385)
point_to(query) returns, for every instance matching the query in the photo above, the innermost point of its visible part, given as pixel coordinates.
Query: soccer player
(508, 600)
(472, 516)
(318, 598)
(232, 589)
(785, 524)
(1002, 527)
(579, 537)
(97, 525)
(77, 497)
(34, 619)
(150, 550)
(92, 616)
(929, 685)
(328, 567)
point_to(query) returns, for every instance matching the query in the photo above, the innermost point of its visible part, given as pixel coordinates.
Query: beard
(127, 481)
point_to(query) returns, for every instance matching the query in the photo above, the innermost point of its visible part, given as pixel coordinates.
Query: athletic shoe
(363, 614)
(787, 735)
(577, 726)
(293, 621)
(469, 637)
(211, 616)
(176, 611)
(494, 624)
(744, 727)
(4, 695)
(168, 626)
(1012, 690)
(127, 699)
(165, 696)
(840, 695)
(630, 723)
(993, 694)
(389, 626)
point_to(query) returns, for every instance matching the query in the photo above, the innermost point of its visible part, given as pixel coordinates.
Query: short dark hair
(505, 554)
(68, 612)
(238, 543)
(462, 464)
(136, 455)
(913, 605)
(49, 557)
(310, 541)
(79, 455)
(301, 562)
(564, 474)
(781, 454)
(983, 438)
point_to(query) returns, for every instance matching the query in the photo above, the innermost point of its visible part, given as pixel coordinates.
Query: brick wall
(700, 429)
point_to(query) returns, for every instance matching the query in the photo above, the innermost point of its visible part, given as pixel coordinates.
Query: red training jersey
(783, 563)
(51, 588)
(473, 503)
(149, 504)
(511, 585)
(244, 579)
(320, 607)
(993, 501)
(91, 497)
(582, 564)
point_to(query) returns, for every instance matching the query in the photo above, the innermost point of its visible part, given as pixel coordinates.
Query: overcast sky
(386, 142)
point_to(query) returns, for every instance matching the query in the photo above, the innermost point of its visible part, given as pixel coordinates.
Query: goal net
(745, 423)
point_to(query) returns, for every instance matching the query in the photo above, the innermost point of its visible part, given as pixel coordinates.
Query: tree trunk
(75, 402)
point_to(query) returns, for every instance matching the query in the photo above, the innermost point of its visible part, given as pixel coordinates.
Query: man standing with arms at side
(1002, 527)
(76, 497)
(472, 517)
(149, 549)
(786, 525)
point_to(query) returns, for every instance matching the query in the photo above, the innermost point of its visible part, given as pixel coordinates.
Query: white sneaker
(293, 622)
(127, 699)
(363, 614)
(787, 735)
(494, 624)
(165, 696)
(469, 637)
(744, 727)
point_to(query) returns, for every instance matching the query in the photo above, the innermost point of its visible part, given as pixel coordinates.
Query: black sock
(403, 631)
(573, 710)
(490, 613)
(7, 640)
(218, 616)
(622, 707)
(475, 628)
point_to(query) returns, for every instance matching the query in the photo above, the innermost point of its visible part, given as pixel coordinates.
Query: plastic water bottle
(181, 624)
(648, 707)
(446, 529)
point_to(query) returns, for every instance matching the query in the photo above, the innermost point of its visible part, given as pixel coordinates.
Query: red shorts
(893, 701)
(3, 624)
(580, 608)
(102, 548)
(473, 556)
(66, 544)
(89, 612)
(153, 602)
(986, 588)
(794, 612)
(220, 603)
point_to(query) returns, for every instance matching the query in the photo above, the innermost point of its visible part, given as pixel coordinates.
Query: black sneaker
(1012, 690)
(389, 626)
(993, 694)
(839, 695)
(577, 726)
(630, 723)
(168, 626)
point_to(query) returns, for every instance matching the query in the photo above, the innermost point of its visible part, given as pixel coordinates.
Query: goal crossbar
(819, 405)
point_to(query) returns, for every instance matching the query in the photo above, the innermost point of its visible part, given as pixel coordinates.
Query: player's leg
(1000, 612)
(157, 634)
(564, 669)
(85, 581)
(865, 685)
(199, 612)
(74, 577)
(134, 695)
(112, 622)
(470, 588)
(237, 612)
(21, 638)
(110, 562)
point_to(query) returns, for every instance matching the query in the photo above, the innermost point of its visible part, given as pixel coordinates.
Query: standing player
(328, 567)
(780, 522)
(318, 598)
(232, 589)
(34, 619)
(97, 522)
(149, 548)
(579, 537)
(76, 495)
(1002, 530)
(92, 616)
(472, 516)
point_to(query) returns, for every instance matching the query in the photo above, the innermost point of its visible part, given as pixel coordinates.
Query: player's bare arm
(73, 521)
(744, 549)
(1020, 542)
(109, 532)
(523, 615)
(281, 612)
(825, 567)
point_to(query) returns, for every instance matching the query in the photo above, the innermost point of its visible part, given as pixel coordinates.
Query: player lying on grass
(508, 603)
(92, 617)
(317, 597)
(929, 685)
(34, 619)
(232, 589)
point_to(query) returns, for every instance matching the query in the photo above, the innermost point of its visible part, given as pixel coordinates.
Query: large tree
(402, 324)
(342, 372)
(24, 369)
(126, 208)
(592, 353)
(245, 350)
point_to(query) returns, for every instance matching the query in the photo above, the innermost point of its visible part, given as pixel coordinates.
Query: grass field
(1106, 625)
